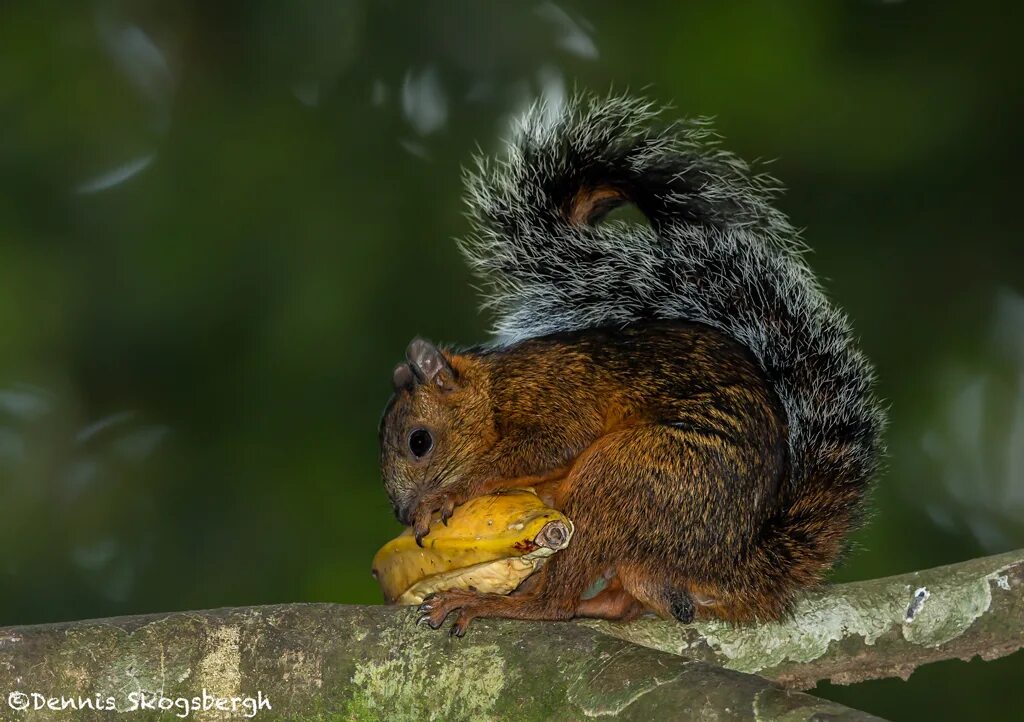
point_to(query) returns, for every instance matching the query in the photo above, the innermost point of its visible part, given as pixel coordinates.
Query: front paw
(441, 503)
(436, 608)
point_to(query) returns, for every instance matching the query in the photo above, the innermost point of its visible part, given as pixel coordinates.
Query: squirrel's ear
(402, 377)
(429, 364)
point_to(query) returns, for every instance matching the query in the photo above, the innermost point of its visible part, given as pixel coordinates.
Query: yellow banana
(491, 543)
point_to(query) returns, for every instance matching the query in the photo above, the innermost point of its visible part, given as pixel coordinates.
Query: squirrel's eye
(420, 442)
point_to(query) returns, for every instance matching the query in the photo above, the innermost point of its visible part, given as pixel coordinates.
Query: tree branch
(321, 661)
(864, 630)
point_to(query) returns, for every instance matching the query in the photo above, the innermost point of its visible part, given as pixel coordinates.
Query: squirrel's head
(434, 426)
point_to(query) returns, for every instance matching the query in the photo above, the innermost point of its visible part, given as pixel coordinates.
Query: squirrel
(682, 389)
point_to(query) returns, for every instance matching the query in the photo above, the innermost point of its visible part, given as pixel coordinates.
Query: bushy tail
(716, 252)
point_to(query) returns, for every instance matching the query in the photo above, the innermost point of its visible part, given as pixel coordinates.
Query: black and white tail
(716, 252)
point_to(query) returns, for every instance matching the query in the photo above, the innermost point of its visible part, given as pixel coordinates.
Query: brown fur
(666, 442)
(661, 441)
(589, 205)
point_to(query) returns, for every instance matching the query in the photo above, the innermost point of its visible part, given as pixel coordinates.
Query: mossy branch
(335, 662)
(864, 630)
(323, 661)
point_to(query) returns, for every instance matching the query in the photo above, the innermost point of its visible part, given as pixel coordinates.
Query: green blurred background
(220, 224)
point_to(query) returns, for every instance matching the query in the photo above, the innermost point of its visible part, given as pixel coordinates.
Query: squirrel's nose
(403, 512)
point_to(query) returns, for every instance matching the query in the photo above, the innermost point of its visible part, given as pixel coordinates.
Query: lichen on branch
(336, 662)
(864, 630)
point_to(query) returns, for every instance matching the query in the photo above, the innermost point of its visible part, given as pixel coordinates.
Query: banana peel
(491, 544)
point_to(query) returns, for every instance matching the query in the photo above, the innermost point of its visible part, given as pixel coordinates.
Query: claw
(420, 530)
(436, 608)
(444, 504)
(459, 627)
(427, 619)
(422, 526)
(426, 610)
(447, 509)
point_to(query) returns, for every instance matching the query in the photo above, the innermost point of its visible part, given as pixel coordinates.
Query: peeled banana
(491, 544)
